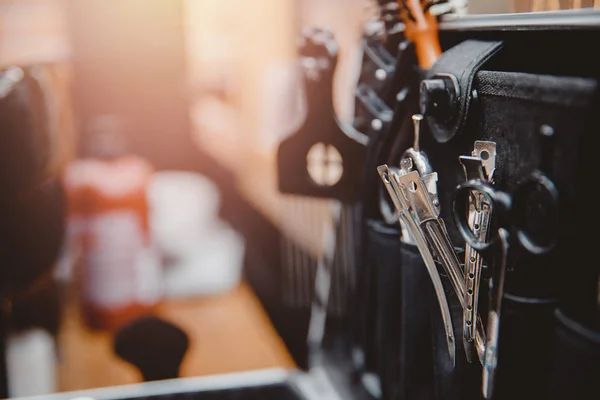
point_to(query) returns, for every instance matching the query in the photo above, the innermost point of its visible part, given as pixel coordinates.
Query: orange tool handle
(422, 29)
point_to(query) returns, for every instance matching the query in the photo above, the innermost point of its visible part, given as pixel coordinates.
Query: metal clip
(476, 167)
(392, 184)
(427, 218)
(487, 152)
(419, 158)
(436, 235)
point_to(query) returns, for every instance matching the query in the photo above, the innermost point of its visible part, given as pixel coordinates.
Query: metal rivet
(547, 130)
(376, 124)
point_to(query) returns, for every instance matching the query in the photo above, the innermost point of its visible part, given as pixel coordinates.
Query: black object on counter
(156, 347)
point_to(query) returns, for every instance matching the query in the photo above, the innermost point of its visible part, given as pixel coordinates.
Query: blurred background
(155, 128)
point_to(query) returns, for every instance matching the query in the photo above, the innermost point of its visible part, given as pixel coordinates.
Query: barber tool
(508, 228)
(413, 233)
(416, 202)
(480, 165)
(392, 184)
(421, 191)
(425, 210)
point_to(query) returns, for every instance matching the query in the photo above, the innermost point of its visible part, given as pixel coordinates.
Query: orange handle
(423, 31)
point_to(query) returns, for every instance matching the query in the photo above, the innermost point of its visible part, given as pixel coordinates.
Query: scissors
(509, 229)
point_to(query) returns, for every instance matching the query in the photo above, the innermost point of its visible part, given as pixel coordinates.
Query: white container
(31, 363)
(205, 255)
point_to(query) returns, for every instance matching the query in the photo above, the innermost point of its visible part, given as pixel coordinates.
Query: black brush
(156, 347)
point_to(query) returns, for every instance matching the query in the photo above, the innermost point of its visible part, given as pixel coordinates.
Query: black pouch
(403, 339)
(512, 107)
(461, 381)
(416, 363)
(525, 337)
(384, 249)
(576, 360)
(370, 226)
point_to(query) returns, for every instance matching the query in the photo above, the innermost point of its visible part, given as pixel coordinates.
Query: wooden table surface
(228, 333)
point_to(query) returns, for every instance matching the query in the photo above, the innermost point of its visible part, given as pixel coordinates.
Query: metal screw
(406, 164)
(417, 118)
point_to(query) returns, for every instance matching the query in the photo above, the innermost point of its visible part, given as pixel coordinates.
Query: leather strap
(456, 68)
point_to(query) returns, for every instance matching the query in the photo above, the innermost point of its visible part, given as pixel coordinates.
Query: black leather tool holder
(334, 142)
(511, 109)
(461, 381)
(575, 350)
(446, 93)
(379, 265)
(576, 344)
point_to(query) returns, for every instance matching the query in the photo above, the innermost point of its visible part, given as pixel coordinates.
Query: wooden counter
(228, 333)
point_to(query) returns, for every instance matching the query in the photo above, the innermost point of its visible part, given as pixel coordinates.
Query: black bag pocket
(461, 381)
(404, 359)
(576, 366)
(526, 332)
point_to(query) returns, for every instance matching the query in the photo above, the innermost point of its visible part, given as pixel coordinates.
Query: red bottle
(108, 214)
